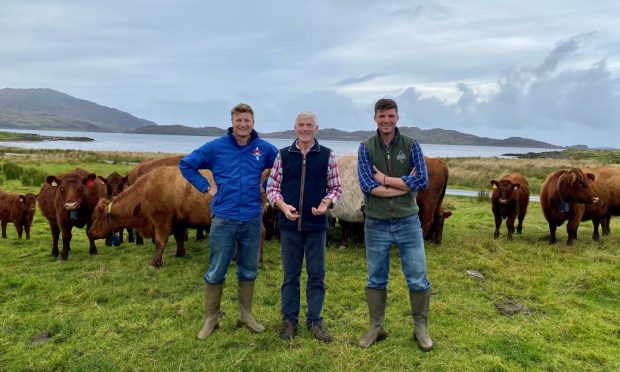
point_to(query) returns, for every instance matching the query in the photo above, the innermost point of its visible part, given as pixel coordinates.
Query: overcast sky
(546, 70)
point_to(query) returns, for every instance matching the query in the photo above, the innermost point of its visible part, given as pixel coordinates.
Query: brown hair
(241, 108)
(385, 104)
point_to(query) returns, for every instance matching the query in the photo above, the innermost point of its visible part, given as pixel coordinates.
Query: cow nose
(595, 199)
(71, 206)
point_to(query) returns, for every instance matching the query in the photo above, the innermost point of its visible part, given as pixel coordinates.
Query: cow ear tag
(494, 186)
(109, 208)
(89, 183)
(54, 183)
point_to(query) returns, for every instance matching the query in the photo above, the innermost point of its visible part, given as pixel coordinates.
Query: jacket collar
(396, 135)
(253, 136)
(294, 148)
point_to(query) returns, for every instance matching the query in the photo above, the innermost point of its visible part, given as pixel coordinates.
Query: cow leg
(4, 223)
(20, 230)
(27, 230)
(595, 223)
(139, 239)
(498, 223)
(200, 233)
(66, 242)
(55, 235)
(510, 224)
(552, 229)
(92, 248)
(571, 229)
(605, 224)
(520, 225)
(120, 233)
(180, 235)
(130, 235)
(161, 239)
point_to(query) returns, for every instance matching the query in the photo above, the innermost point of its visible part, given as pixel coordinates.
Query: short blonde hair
(241, 108)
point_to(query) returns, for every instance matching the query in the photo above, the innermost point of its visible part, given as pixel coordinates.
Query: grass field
(112, 311)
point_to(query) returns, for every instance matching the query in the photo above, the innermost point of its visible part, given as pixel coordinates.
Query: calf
(563, 197)
(18, 209)
(597, 211)
(68, 200)
(115, 184)
(511, 195)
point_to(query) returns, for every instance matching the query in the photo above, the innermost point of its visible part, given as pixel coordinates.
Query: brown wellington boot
(376, 299)
(213, 297)
(245, 294)
(419, 307)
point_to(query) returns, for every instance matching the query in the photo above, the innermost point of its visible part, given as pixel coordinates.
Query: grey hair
(307, 114)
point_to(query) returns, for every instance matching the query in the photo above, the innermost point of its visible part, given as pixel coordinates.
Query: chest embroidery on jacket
(401, 156)
(257, 153)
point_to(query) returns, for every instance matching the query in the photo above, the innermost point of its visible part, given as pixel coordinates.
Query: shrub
(12, 171)
(32, 177)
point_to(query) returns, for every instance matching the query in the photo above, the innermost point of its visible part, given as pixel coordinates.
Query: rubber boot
(213, 297)
(376, 299)
(245, 293)
(419, 307)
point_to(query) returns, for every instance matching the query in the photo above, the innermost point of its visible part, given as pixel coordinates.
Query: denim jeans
(294, 245)
(223, 237)
(406, 233)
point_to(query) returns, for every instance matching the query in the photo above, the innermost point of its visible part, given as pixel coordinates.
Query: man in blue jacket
(237, 161)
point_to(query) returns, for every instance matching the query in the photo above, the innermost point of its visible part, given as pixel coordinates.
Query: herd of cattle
(156, 201)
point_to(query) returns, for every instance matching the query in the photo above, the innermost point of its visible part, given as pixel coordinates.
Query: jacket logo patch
(401, 157)
(257, 153)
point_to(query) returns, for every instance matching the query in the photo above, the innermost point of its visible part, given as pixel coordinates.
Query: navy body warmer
(304, 185)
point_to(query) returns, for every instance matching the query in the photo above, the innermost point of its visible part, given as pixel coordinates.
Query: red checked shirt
(334, 188)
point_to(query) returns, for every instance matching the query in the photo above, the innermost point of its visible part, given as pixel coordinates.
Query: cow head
(71, 188)
(577, 187)
(115, 183)
(503, 190)
(102, 222)
(28, 203)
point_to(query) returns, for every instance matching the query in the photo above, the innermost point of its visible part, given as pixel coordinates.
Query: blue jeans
(406, 233)
(223, 237)
(294, 244)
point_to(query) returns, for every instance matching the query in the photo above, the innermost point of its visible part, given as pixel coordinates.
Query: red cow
(511, 195)
(611, 177)
(115, 184)
(563, 197)
(18, 209)
(68, 200)
(432, 215)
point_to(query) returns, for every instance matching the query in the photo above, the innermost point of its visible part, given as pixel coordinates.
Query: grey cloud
(360, 79)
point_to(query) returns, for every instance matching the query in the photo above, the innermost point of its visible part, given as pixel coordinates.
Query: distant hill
(50, 109)
(181, 130)
(53, 110)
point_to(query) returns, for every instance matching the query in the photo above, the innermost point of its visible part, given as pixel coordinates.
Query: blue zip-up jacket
(237, 171)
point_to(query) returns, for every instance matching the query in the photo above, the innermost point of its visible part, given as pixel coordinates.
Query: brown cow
(597, 211)
(563, 197)
(18, 209)
(115, 184)
(68, 200)
(160, 203)
(511, 195)
(611, 177)
(144, 168)
(432, 215)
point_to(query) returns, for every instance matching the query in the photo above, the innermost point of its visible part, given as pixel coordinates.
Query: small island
(32, 137)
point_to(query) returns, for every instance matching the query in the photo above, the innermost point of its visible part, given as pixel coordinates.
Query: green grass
(112, 311)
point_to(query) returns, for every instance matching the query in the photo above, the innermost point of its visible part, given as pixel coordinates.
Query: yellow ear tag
(110, 208)
(494, 186)
(54, 183)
